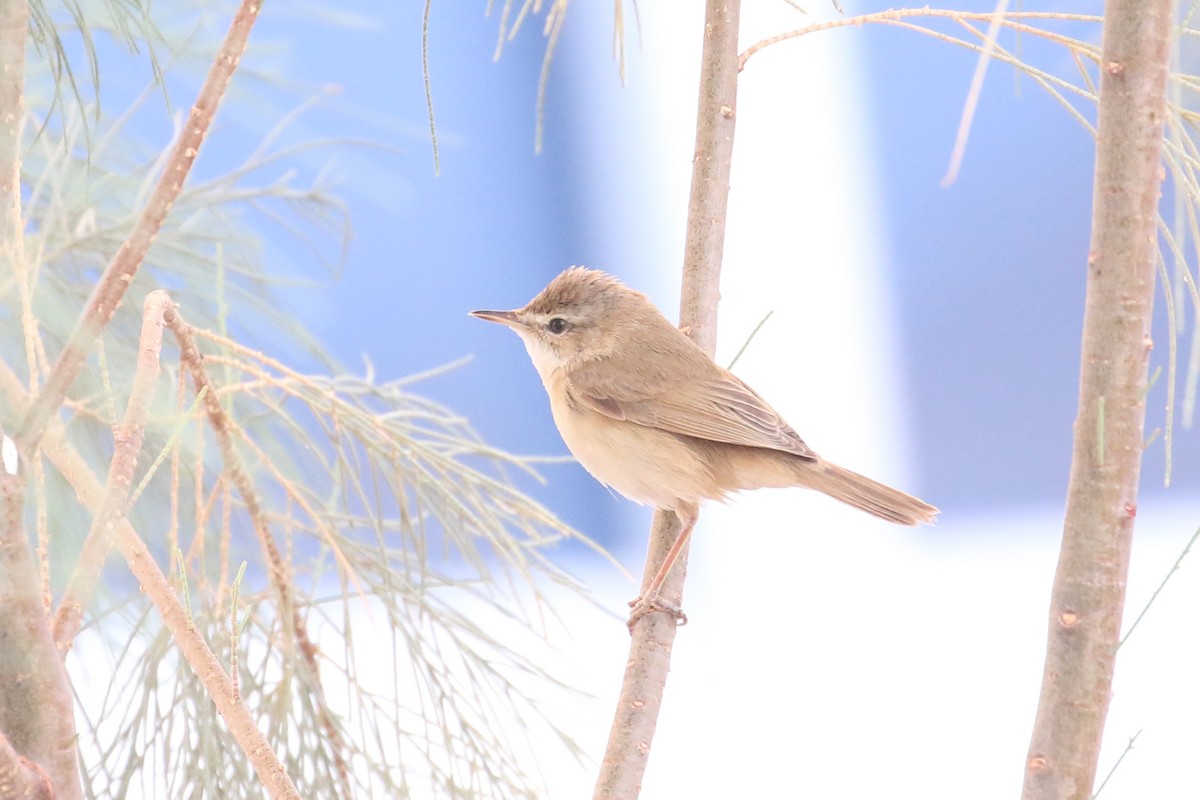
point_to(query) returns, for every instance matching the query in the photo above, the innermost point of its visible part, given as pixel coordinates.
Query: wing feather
(718, 407)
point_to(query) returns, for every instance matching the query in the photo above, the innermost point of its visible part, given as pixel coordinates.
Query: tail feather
(868, 495)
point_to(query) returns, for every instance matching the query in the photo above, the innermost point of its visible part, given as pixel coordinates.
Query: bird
(649, 414)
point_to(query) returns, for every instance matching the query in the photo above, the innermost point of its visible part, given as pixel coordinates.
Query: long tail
(871, 496)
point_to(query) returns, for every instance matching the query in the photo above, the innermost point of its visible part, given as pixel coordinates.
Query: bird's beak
(509, 318)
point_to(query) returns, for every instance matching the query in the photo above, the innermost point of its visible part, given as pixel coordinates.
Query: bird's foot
(644, 605)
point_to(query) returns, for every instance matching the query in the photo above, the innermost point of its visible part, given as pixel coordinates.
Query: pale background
(925, 336)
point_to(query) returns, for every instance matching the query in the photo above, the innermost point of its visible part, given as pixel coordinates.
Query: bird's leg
(650, 600)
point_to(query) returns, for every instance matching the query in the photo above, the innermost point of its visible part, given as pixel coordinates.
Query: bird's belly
(646, 465)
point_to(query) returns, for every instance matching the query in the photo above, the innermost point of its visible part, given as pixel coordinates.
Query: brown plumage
(648, 413)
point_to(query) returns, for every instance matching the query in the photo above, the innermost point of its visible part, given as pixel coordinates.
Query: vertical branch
(646, 671)
(1089, 586)
(119, 274)
(709, 199)
(14, 22)
(37, 714)
(37, 720)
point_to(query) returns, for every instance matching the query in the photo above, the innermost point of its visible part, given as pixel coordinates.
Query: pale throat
(545, 359)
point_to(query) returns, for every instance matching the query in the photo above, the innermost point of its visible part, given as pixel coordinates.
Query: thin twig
(437, 167)
(972, 102)
(1117, 763)
(555, 18)
(749, 339)
(1187, 549)
(904, 13)
(235, 630)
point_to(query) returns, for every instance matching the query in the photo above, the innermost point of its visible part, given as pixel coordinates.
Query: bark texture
(37, 720)
(1089, 586)
(649, 662)
(37, 709)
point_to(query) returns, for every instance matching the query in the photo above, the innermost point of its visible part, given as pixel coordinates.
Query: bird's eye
(557, 325)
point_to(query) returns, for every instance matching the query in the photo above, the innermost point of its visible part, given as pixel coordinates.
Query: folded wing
(719, 407)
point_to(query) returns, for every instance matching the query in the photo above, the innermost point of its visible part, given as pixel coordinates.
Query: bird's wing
(717, 406)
